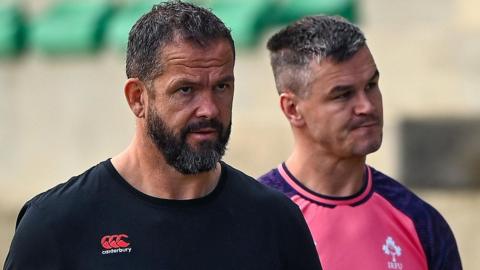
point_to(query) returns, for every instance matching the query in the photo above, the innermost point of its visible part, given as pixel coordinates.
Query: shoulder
(401, 197)
(247, 185)
(51, 217)
(77, 187)
(272, 179)
(254, 192)
(433, 230)
(275, 180)
(66, 199)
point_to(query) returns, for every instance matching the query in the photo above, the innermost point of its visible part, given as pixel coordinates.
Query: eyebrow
(343, 88)
(181, 81)
(375, 76)
(187, 81)
(228, 78)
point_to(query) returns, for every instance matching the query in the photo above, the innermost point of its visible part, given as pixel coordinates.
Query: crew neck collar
(168, 202)
(331, 201)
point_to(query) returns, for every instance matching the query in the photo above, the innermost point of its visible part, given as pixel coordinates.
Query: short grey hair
(313, 38)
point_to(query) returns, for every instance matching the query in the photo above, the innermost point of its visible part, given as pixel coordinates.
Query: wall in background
(59, 116)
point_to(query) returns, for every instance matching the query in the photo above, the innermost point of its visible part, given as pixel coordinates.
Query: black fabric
(241, 224)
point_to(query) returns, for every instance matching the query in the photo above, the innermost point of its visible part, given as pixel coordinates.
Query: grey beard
(178, 153)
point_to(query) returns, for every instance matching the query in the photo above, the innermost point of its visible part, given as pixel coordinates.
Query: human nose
(364, 104)
(207, 106)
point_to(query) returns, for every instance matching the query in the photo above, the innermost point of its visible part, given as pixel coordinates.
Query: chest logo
(390, 248)
(116, 243)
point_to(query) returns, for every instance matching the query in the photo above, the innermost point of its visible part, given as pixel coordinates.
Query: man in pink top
(360, 218)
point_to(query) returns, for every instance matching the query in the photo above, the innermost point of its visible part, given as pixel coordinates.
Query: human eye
(185, 90)
(343, 95)
(372, 85)
(222, 87)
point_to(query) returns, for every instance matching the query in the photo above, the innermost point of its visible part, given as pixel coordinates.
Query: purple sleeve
(274, 180)
(434, 232)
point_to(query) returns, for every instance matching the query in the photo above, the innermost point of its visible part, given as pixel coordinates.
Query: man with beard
(167, 201)
(360, 218)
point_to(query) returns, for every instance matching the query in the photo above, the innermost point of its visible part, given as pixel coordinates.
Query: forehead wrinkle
(192, 56)
(198, 63)
(203, 77)
(194, 64)
(189, 67)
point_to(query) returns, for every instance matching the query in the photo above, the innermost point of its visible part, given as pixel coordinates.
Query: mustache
(364, 121)
(206, 123)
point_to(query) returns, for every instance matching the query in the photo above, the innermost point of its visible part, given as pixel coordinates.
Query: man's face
(343, 110)
(189, 111)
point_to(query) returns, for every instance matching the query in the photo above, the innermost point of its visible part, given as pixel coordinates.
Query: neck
(326, 174)
(145, 168)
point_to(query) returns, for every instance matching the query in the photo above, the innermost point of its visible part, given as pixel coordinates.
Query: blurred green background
(62, 108)
(74, 27)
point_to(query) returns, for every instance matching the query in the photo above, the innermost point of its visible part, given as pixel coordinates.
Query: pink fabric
(314, 197)
(372, 235)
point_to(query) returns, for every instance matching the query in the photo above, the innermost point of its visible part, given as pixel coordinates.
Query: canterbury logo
(114, 241)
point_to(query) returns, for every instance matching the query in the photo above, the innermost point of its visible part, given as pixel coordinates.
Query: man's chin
(202, 145)
(369, 148)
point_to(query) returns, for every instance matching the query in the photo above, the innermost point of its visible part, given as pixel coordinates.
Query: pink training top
(376, 228)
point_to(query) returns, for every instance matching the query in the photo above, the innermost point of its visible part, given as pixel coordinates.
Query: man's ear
(136, 94)
(289, 104)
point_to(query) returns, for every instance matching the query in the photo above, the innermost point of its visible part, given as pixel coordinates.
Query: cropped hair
(166, 23)
(313, 38)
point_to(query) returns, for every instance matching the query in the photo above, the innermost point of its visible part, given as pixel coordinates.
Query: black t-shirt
(98, 221)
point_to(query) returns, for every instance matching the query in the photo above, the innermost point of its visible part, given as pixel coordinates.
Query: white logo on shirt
(390, 248)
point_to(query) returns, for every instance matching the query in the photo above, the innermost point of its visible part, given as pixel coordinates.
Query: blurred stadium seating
(59, 115)
(12, 30)
(78, 27)
(70, 27)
